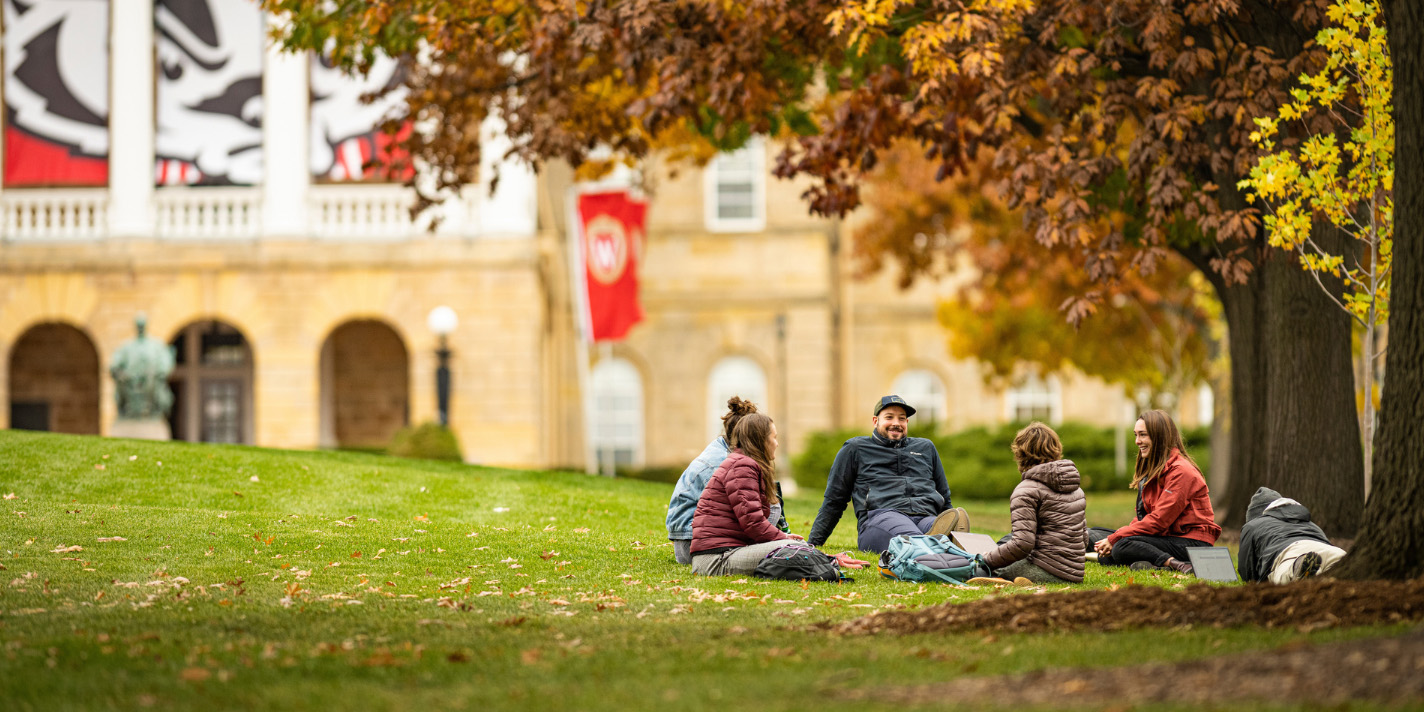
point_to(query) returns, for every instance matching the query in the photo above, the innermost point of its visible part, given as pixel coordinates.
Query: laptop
(974, 543)
(1213, 563)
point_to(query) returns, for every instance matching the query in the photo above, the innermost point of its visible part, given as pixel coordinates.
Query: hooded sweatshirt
(1049, 515)
(1273, 522)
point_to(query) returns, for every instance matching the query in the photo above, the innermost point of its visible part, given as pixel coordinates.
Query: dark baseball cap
(888, 401)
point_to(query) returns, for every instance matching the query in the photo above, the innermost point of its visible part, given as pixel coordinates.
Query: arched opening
(924, 391)
(54, 381)
(212, 384)
(618, 414)
(365, 385)
(733, 376)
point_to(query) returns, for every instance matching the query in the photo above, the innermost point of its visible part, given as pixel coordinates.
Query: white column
(131, 122)
(286, 157)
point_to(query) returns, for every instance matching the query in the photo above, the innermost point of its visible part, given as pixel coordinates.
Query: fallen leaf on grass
(530, 656)
(582, 530)
(62, 549)
(513, 621)
(501, 509)
(11, 495)
(112, 538)
(195, 674)
(548, 555)
(253, 479)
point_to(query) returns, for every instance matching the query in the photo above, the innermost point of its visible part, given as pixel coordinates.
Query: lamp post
(442, 321)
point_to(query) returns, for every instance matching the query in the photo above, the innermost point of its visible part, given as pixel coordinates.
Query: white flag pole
(583, 325)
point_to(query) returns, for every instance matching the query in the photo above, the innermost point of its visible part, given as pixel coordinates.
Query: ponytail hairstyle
(1165, 438)
(736, 408)
(751, 437)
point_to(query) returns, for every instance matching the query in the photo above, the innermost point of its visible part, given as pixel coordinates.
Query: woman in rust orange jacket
(1173, 505)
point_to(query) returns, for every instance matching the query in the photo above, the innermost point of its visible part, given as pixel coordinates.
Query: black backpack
(799, 562)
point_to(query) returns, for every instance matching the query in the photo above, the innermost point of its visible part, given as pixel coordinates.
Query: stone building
(294, 285)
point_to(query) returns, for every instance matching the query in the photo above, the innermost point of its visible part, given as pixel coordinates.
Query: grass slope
(249, 578)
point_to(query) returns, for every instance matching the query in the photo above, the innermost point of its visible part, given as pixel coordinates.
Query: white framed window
(617, 414)
(733, 376)
(925, 392)
(734, 192)
(1034, 398)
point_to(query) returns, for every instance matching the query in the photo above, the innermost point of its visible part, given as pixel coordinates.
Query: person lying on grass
(689, 486)
(1048, 512)
(731, 529)
(1173, 504)
(895, 481)
(1280, 544)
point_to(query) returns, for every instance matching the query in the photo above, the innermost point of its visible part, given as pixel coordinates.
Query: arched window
(365, 385)
(54, 381)
(923, 390)
(617, 414)
(212, 384)
(733, 376)
(1034, 398)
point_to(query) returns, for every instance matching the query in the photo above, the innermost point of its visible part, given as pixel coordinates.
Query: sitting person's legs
(885, 524)
(1154, 550)
(682, 550)
(1294, 562)
(1023, 568)
(741, 561)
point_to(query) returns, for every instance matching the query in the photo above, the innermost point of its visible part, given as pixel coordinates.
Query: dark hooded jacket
(873, 472)
(1049, 515)
(1269, 530)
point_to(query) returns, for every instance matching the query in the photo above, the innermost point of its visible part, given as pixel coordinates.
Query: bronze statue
(140, 369)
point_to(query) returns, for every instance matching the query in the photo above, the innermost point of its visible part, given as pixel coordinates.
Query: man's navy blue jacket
(874, 472)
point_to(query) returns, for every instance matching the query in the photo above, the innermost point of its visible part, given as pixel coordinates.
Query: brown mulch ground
(1390, 669)
(1308, 605)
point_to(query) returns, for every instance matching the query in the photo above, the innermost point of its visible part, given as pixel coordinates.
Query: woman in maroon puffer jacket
(731, 528)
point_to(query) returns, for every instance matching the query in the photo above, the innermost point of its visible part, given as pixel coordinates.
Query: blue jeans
(882, 525)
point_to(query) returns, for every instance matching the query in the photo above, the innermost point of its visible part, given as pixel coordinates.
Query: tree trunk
(1247, 424)
(1293, 421)
(1391, 537)
(1313, 453)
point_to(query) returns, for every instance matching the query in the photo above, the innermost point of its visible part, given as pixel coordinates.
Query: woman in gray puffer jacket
(1049, 514)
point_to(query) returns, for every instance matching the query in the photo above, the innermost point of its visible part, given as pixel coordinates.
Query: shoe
(988, 579)
(1181, 567)
(1145, 566)
(950, 520)
(962, 524)
(1306, 565)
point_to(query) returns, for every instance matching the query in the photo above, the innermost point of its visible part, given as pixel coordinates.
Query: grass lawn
(140, 574)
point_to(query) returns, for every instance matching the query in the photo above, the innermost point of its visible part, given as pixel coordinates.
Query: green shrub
(814, 463)
(427, 441)
(654, 474)
(978, 463)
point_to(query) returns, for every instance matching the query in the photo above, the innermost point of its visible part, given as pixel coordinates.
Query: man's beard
(886, 433)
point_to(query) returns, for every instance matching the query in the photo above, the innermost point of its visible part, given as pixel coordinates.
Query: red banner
(610, 245)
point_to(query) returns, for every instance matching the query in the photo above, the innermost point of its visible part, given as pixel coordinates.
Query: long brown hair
(736, 408)
(1165, 438)
(1035, 445)
(751, 436)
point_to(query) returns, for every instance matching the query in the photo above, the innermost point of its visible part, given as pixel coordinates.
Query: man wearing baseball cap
(896, 482)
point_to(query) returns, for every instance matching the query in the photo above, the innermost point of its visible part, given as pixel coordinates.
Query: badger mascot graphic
(209, 96)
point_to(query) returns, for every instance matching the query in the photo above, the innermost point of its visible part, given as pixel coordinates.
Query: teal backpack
(923, 558)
